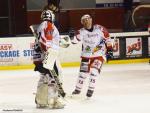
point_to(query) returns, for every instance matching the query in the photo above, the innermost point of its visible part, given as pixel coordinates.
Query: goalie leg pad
(53, 98)
(59, 104)
(56, 103)
(47, 93)
(42, 91)
(42, 95)
(52, 89)
(59, 84)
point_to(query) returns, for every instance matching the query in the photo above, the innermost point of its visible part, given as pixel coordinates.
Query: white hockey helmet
(48, 15)
(84, 17)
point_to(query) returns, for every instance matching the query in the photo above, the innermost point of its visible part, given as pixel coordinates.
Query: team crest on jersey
(92, 35)
(88, 49)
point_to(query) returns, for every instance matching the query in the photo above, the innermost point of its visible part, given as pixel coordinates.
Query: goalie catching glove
(64, 42)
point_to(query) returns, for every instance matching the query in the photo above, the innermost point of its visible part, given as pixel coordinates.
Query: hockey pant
(89, 68)
(47, 93)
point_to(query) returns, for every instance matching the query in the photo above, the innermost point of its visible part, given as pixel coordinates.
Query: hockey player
(96, 43)
(49, 86)
(53, 5)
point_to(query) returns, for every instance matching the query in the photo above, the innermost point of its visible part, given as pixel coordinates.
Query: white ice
(121, 88)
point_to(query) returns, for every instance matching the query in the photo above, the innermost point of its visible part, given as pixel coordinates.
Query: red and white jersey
(48, 35)
(93, 42)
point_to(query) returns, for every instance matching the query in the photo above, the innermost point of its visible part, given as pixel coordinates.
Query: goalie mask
(48, 15)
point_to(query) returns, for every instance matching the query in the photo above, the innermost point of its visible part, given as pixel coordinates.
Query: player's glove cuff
(109, 54)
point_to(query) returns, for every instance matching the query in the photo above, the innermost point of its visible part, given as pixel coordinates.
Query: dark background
(17, 15)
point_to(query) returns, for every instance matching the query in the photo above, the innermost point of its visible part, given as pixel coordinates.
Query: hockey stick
(33, 31)
(59, 84)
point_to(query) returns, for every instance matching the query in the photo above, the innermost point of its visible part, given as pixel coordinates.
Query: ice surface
(122, 88)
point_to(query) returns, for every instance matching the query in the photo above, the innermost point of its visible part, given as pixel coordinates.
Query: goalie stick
(33, 31)
(52, 72)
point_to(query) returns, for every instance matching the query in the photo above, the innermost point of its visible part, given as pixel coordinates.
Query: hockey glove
(64, 42)
(37, 48)
(109, 54)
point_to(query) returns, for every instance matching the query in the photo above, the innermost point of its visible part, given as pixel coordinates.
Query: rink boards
(128, 47)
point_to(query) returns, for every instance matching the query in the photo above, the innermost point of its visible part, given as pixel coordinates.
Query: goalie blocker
(50, 58)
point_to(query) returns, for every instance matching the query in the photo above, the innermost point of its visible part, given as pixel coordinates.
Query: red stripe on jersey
(48, 31)
(106, 33)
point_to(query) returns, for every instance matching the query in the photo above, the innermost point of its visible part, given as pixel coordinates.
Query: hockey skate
(76, 92)
(89, 93)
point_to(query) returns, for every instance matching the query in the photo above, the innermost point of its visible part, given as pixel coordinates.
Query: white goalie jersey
(48, 36)
(49, 41)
